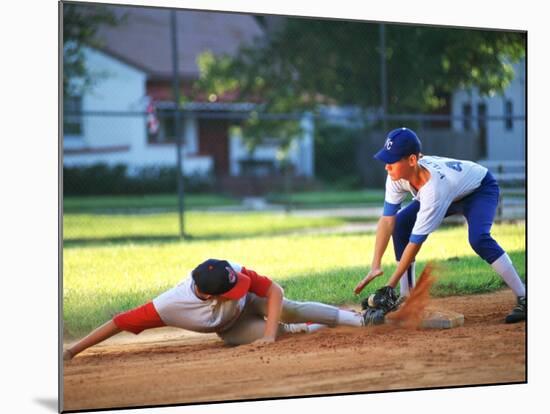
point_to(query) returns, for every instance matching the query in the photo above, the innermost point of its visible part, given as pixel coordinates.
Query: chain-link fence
(333, 152)
(367, 78)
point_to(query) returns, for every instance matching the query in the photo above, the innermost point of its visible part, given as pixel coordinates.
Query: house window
(508, 114)
(481, 116)
(167, 128)
(482, 128)
(466, 117)
(72, 115)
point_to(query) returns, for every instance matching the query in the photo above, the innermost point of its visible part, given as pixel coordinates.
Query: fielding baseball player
(237, 303)
(440, 187)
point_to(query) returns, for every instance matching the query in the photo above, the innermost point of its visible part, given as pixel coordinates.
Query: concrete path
(512, 209)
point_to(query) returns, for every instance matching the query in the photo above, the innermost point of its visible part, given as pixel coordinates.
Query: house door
(213, 141)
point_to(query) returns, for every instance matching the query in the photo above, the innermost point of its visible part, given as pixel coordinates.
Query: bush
(336, 155)
(102, 179)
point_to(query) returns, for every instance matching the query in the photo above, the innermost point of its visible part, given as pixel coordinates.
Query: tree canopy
(80, 25)
(310, 61)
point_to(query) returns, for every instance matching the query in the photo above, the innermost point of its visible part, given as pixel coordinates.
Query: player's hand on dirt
(374, 273)
(266, 340)
(67, 355)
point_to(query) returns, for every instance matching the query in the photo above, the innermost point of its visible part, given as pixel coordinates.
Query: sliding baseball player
(235, 302)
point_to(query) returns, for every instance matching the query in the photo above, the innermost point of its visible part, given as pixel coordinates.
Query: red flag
(152, 120)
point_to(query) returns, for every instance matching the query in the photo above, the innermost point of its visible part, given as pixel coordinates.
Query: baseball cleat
(296, 327)
(519, 313)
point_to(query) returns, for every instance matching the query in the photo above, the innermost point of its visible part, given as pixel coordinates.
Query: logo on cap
(388, 144)
(232, 276)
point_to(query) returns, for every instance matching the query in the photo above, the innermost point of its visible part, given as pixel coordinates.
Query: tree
(80, 26)
(309, 61)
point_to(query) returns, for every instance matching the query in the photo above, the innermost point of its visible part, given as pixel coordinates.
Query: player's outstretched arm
(98, 335)
(408, 256)
(384, 231)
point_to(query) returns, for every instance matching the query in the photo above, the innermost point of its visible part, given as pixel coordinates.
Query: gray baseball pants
(251, 323)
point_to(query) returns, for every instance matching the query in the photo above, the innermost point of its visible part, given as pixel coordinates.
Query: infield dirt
(172, 366)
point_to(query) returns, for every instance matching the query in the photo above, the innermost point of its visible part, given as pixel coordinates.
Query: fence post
(307, 146)
(383, 76)
(175, 87)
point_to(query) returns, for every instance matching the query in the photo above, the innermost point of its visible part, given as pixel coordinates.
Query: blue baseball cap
(217, 277)
(400, 143)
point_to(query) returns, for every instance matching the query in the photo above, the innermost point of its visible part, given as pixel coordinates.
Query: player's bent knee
(478, 241)
(485, 246)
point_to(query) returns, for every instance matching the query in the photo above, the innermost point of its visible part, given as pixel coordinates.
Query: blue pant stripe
(410, 277)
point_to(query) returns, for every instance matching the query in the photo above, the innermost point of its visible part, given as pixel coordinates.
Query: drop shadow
(51, 404)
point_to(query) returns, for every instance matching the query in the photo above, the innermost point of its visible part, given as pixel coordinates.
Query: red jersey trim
(138, 319)
(259, 284)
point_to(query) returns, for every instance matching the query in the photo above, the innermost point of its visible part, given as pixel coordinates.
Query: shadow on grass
(190, 238)
(172, 238)
(143, 211)
(104, 241)
(165, 239)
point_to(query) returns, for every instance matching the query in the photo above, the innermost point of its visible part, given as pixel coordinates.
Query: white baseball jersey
(450, 181)
(180, 307)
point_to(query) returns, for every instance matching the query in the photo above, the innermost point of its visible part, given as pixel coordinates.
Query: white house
(500, 119)
(112, 127)
(108, 123)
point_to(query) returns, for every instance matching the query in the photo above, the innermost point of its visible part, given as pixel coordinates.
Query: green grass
(73, 204)
(169, 202)
(149, 228)
(100, 281)
(314, 199)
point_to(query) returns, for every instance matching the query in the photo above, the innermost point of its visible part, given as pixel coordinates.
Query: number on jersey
(454, 165)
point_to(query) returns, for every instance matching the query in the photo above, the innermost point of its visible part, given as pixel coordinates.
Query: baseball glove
(384, 298)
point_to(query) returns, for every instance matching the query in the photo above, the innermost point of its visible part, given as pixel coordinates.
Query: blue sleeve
(391, 209)
(418, 238)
